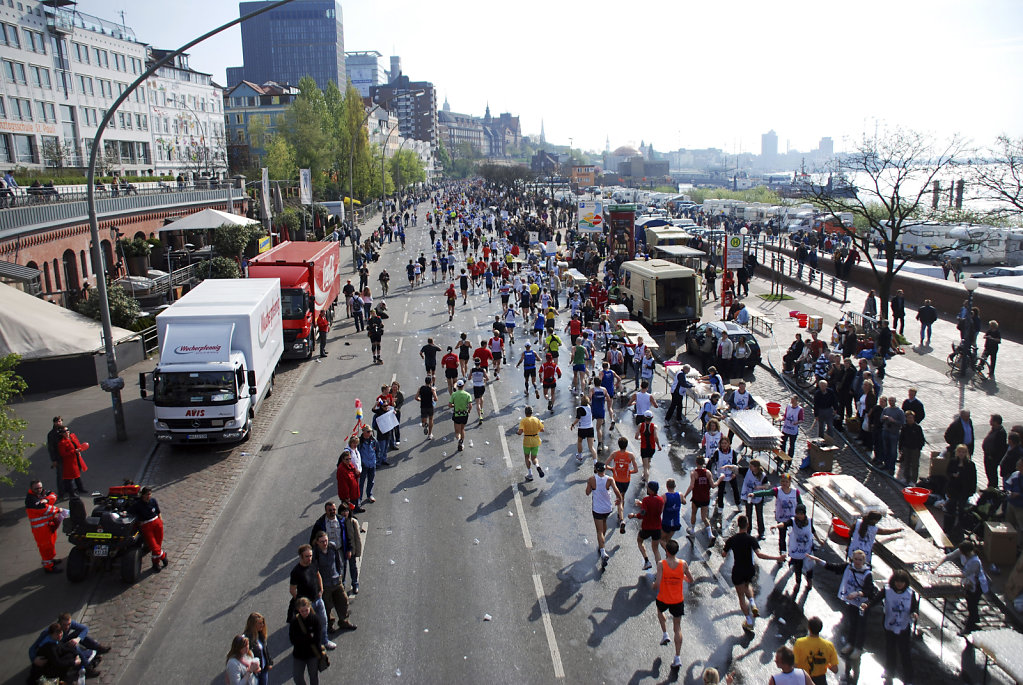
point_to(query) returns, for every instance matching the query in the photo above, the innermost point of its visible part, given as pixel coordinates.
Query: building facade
(415, 103)
(186, 120)
(491, 137)
(242, 104)
(366, 69)
(304, 38)
(584, 175)
(62, 71)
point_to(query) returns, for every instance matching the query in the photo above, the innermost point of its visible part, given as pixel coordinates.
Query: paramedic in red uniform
(147, 513)
(44, 517)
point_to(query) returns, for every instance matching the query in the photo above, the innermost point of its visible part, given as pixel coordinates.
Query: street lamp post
(968, 349)
(351, 187)
(114, 383)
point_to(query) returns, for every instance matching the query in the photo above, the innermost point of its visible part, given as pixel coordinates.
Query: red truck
(310, 283)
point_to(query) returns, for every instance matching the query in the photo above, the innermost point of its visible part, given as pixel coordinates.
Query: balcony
(43, 216)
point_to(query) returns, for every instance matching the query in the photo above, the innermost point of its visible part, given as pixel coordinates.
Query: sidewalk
(29, 599)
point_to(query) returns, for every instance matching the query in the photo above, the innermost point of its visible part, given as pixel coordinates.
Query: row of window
(33, 40)
(22, 110)
(85, 54)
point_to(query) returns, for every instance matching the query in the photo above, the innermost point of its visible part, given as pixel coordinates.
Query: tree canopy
(12, 428)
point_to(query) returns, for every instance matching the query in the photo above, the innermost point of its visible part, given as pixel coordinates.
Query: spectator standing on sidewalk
(914, 405)
(870, 305)
(898, 309)
(303, 632)
(72, 464)
(242, 667)
(992, 339)
(926, 315)
(1012, 456)
(305, 583)
(911, 442)
(1014, 503)
(824, 404)
(52, 446)
(327, 559)
(44, 517)
(975, 581)
(892, 421)
(960, 432)
(259, 645)
(994, 446)
(147, 513)
(962, 484)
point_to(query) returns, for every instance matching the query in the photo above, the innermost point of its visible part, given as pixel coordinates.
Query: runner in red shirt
(650, 509)
(575, 329)
(483, 354)
(450, 363)
(451, 295)
(550, 373)
(700, 481)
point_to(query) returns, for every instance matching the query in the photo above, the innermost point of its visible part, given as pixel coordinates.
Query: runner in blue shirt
(528, 360)
(670, 523)
(598, 406)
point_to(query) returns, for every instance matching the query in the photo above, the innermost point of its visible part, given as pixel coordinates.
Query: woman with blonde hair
(255, 631)
(241, 666)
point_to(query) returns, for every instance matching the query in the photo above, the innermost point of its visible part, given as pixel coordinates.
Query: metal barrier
(807, 275)
(33, 218)
(150, 342)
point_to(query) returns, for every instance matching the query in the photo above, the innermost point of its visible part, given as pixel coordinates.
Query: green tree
(406, 168)
(280, 159)
(230, 240)
(218, 267)
(124, 308)
(305, 126)
(443, 156)
(12, 428)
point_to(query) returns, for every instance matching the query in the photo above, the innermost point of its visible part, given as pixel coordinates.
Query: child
(974, 580)
(901, 605)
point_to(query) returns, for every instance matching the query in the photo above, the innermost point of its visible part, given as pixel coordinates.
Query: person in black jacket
(304, 634)
(1012, 455)
(926, 315)
(898, 307)
(911, 442)
(960, 431)
(962, 484)
(914, 405)
(995, 444)
(55, 658)
(992, 339)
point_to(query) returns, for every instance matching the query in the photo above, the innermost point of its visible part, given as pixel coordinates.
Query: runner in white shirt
(584, 419)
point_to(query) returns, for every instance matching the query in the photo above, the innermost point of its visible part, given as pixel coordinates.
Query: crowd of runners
(542, 328)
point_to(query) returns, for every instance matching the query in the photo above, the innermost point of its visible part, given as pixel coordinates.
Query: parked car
(1000, 271)
(702, 341)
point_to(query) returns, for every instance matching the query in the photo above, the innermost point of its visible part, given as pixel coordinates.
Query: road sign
(734, 249)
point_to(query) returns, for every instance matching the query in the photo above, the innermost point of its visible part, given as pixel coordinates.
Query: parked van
(987, 245)
(663, 294)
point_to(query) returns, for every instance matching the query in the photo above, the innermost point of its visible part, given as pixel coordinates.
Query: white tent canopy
(207, 219)
(35, 328)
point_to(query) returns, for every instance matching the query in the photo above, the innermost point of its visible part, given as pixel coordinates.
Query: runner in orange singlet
(671, 573)
(623, 465)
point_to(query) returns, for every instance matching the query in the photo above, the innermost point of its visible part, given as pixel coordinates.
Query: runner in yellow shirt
(530, 428)
(814, 654)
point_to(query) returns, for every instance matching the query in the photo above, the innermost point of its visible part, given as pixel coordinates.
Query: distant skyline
(694, 74)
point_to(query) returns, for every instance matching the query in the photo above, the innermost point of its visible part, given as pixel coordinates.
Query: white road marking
(541, 598)
(493, 396)
(475, 322)
(400, 341)
(404, 319)
(552, 641)
(393, 376)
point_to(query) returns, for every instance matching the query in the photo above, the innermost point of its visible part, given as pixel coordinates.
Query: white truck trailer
(219, 349)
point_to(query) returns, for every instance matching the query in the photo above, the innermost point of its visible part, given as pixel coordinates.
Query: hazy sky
(676, 73)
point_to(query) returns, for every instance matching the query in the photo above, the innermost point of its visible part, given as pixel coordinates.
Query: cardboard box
(939, 466)
(999, 543)
(822, 458)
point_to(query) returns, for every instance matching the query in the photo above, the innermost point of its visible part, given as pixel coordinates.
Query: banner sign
(590, 217)
(305, 187)
(265, 194)
(264, 244)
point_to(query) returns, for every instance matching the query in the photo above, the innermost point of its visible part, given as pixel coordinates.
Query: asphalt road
(451, 540)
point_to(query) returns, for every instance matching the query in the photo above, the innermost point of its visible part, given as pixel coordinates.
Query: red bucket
(801, 320)
(841, 530)
(773, 408)
(916, 496)
(793, 313)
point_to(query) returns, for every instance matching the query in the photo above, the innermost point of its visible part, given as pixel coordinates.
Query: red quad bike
(109, 534)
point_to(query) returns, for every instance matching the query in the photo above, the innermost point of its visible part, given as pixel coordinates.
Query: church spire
(543, 136)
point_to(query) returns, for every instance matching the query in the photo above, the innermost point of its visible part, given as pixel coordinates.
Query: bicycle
(963, 359)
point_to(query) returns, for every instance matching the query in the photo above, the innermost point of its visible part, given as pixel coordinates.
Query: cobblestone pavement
(192, 487)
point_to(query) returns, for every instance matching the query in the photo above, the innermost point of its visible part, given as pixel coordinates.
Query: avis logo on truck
(197, 349)
(195, 412)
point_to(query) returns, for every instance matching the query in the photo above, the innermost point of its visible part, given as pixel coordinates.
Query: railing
(18, 220)
(807, 275)
(150, 342)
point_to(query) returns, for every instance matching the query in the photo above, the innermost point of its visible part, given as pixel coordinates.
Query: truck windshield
(292, 303)
(185, 389)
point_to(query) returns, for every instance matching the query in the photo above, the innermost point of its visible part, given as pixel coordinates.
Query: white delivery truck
(219, 348)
